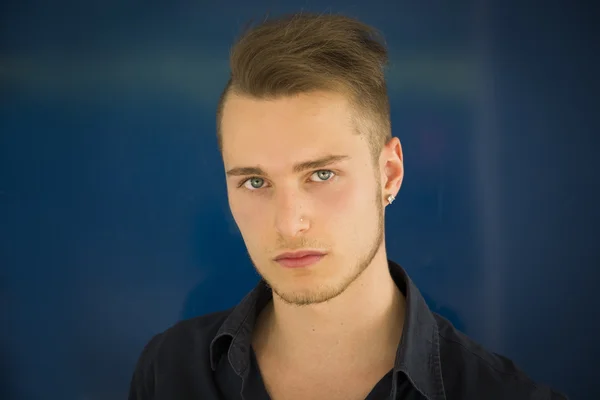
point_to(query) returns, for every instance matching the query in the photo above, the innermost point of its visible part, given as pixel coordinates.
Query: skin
(343, 313)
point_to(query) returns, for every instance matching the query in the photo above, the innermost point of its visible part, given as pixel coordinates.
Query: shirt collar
(418, 355)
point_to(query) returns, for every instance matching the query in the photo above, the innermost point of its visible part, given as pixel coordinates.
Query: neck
(364, 321)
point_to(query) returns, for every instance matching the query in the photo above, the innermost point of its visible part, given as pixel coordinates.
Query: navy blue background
(114, 222)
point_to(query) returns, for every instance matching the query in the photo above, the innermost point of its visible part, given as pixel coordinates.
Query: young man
(311, 165)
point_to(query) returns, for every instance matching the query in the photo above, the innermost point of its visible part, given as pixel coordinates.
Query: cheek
(355, 217)
(248, 216)
(343, 204)
(351, 196)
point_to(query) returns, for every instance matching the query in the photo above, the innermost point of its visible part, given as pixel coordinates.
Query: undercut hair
(304, 53)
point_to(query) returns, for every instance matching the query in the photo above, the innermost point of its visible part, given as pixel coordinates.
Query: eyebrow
(300, 167)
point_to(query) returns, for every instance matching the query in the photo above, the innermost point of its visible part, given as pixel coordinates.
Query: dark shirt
(211, 358)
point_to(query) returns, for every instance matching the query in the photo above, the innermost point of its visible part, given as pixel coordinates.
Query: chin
(307, 297)
(299, 291)
(303, 286)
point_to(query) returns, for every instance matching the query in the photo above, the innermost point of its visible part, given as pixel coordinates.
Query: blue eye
(323, 175)
(256, 183)
(253, 183)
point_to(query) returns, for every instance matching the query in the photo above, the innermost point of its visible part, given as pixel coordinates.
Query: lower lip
(300, 262)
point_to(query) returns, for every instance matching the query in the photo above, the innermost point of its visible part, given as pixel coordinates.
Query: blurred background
(114, 222)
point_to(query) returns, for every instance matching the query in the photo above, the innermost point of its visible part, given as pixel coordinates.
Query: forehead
(279, 132)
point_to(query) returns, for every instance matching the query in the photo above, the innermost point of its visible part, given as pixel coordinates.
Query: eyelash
(333, 175)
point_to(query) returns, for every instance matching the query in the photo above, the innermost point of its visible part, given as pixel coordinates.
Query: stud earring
(391, 198)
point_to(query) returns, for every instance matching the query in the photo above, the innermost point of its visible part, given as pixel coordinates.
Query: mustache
(299, 244)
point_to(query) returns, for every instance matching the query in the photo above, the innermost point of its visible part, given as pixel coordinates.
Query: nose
(291, 219)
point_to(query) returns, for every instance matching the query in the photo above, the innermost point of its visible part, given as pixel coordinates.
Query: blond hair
(303, 53)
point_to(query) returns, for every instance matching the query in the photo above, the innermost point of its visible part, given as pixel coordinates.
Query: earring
(391, 198)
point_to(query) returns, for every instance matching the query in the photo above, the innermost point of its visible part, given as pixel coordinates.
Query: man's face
(336, 207)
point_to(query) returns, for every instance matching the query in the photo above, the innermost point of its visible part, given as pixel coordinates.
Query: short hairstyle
(303, 53)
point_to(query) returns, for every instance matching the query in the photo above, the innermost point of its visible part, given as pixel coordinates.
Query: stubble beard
(324, 294)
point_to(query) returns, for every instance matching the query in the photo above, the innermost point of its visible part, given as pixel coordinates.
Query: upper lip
(298, 254)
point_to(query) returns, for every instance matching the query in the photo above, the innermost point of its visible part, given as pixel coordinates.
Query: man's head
(304, 130)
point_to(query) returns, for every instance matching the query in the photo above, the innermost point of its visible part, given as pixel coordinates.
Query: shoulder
(188, 336)
(170, 354)
(471, 371)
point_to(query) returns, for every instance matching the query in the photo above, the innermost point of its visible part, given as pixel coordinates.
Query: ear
(392, 162)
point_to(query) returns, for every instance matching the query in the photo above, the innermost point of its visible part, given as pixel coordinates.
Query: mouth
(300, 259)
